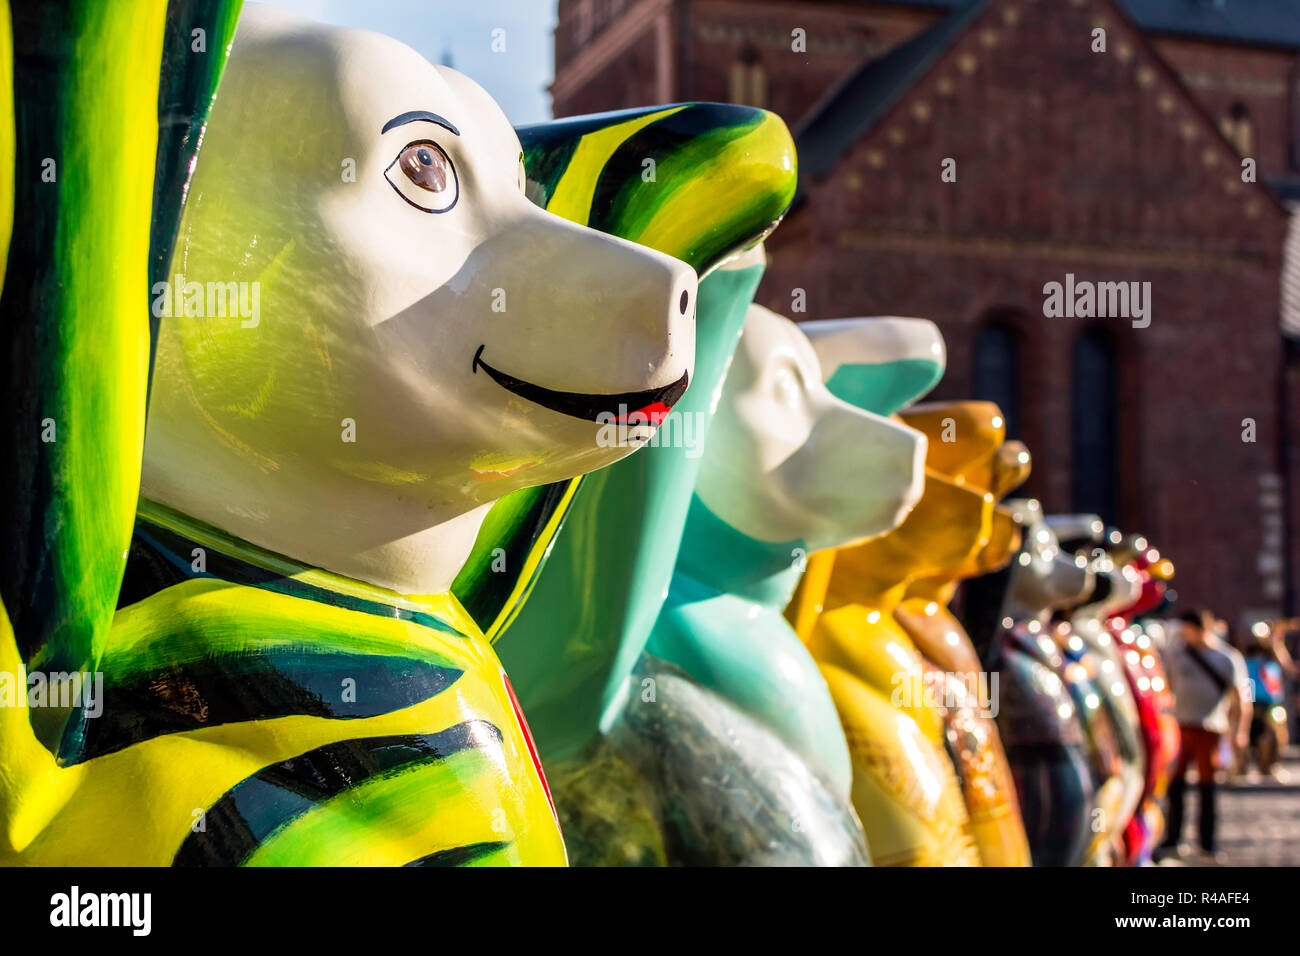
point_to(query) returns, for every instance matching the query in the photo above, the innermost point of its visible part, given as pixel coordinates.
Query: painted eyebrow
(415, 115)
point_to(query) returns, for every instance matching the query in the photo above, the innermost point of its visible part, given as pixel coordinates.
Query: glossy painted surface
(698, 181)
(596, 597)
(1042, 728)
(80, 83)
(972, 739)
(779, 478)
(78, 132)
(1043, 578)
(906, 790)
(319, 721)
(1141, 640)
(1081, 671)
(685, 777)
(882, 364)
(786, 458)
(286, 498)
(489, 239)
(1139, 705)
(1045, 745)
(1114, 588)
(416, 351)
(968, 699)
(781, 452)
(186, 85)
(352, 491)
(1140, 643)
(409, 278)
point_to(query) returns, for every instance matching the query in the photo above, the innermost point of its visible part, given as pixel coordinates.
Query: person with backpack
(1212, 699)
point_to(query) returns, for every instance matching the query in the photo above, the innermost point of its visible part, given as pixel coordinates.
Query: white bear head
(786, 460)
(416, 340)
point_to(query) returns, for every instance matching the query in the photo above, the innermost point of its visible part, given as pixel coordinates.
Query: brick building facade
(1122, 165)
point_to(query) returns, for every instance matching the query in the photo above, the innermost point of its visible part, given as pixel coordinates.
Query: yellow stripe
(119, 52)
(573, 194)
(386, 821)
(32, 787)
(135, 807)
(740, 171)
(123, 103)
(528, 577)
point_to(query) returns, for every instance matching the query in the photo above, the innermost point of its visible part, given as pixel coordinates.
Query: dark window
(1094, 425)
(996, 376)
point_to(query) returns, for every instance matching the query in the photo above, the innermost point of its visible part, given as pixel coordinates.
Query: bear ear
(1011, 467)
(698, 181)
(965, 438)
(1025, 511)
(881, 365)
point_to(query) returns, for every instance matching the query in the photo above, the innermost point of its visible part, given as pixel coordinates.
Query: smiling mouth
(646, 407)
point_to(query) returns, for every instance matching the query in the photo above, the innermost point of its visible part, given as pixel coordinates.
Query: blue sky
(516, 78)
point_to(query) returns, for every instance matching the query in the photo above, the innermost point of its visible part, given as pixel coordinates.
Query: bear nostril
(685, 301)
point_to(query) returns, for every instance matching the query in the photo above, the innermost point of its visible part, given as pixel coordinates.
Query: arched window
(748, 82)
(996, 376)
(1094, 425)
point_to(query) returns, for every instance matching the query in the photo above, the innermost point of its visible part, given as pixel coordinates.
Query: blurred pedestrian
(1212, 694)
(1269, 663)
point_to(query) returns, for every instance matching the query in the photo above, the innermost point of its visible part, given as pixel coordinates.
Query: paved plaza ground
(1259, 820)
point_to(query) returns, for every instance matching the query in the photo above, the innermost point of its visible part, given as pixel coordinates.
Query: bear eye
(425, 167)
(424, 176)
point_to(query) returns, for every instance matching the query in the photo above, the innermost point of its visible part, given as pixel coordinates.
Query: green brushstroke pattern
(74, 310)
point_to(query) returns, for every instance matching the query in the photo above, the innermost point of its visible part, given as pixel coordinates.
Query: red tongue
(652, 414)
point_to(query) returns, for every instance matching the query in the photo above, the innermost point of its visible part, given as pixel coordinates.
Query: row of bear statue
(328, 556)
